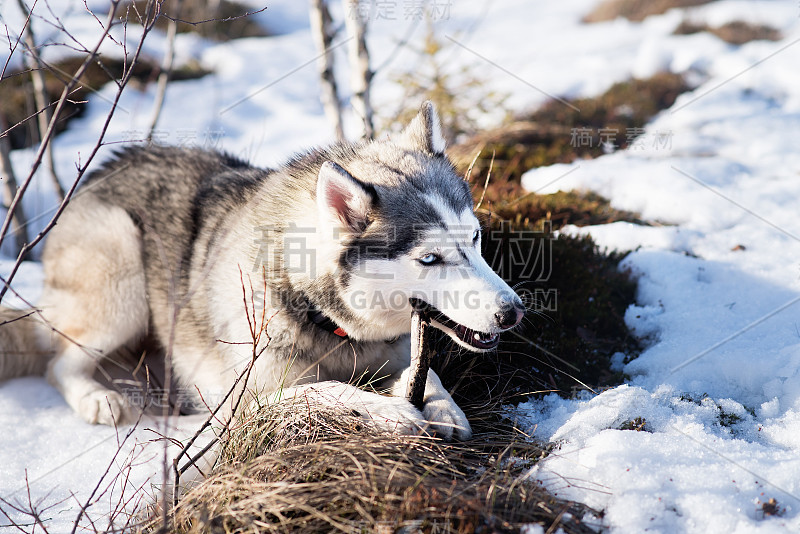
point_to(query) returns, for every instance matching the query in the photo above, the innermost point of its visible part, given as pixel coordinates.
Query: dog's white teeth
(476, 336)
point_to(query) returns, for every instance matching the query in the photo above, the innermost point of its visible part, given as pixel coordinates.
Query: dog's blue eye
(475, 236)
(430, 259)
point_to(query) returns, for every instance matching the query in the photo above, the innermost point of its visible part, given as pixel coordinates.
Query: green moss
(727, 419)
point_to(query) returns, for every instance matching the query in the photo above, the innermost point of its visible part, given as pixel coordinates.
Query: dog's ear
(343, 199)
(425, 131)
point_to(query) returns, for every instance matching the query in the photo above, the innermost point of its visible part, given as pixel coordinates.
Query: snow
(718, 384)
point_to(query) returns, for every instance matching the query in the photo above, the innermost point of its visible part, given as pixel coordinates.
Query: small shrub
(460, 95)
(771, 508)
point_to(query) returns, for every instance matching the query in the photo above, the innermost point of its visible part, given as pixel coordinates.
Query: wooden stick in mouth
(421, 352)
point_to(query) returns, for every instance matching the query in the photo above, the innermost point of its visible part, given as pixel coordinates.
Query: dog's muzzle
(509, 317)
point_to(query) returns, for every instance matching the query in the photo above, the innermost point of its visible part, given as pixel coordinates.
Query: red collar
(325, 322)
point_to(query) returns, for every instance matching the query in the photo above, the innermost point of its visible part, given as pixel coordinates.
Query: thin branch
(228, 19)
(400, 44)
(34, 63)
(486, 183)
(323, 32)
(256, 332)
(360, 73)
(13, 48)
(51, 127)
(9, 185)
(166, 71)
(120, 445)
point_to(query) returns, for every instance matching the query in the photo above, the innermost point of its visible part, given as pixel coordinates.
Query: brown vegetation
(549, 135)
(636, 10)
(737, 32)
(223, 20)
(299, 468)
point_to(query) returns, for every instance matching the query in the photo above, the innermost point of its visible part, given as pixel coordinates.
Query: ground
(702, 436)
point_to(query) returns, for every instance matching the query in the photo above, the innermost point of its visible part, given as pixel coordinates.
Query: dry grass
(737, 32)
(296, 468)
(636, 10)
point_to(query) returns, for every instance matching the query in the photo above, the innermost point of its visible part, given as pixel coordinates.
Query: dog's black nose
(511, 315)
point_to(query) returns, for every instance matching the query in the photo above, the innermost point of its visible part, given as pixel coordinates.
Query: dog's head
(407, 230)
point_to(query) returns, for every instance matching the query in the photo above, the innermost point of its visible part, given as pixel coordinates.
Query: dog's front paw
(105, 407)
(447, 419)
(392, 414)
(387, 414)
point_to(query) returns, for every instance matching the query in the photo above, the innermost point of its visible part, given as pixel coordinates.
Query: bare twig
(166, 71)
(360, 73)
(34, 63)
(257, 331)
(120, 444)
(9, 184)
(420, 353)
(13, 47)
(401, 44)
(486, 183)
(227, 19)
(323, 32)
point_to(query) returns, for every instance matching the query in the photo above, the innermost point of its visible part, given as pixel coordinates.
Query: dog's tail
(24, 346)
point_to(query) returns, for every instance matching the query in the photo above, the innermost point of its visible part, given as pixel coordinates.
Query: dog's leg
(71, 372)
(95, 300)
(440, 410)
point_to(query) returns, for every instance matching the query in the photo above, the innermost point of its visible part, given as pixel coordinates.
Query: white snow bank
(718, 383)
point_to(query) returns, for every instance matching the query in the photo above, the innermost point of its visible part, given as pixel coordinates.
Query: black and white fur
(165, 238)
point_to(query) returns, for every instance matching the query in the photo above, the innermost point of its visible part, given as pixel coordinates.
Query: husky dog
(329, 248)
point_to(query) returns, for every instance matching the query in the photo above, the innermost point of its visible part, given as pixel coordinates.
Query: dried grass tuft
(636, 10)
(292, 467)
(737, 32)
